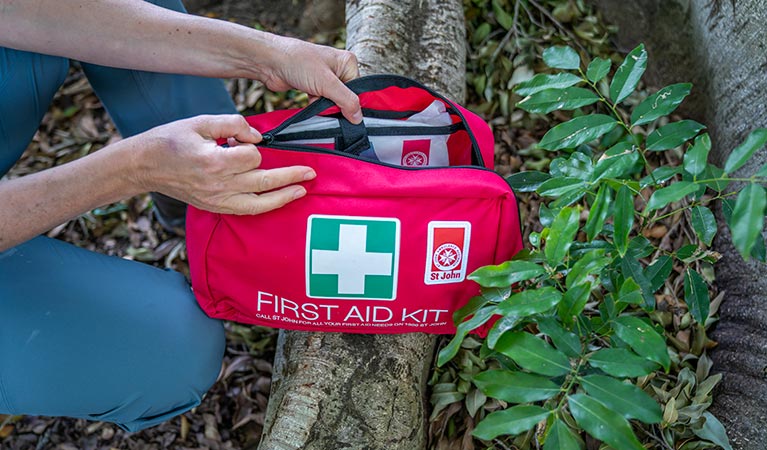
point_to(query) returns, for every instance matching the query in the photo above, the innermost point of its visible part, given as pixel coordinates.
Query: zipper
(310, 149)
(373, 131)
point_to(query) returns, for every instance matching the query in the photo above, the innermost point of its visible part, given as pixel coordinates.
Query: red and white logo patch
(447, 252)
(415, 152)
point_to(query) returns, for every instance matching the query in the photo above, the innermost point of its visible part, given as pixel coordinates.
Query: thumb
(345, 99)
(225, 126)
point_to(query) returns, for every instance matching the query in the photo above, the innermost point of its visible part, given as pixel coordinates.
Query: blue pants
(86, 335)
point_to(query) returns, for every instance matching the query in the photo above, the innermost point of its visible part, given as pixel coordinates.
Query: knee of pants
(178, 385)
(28, 82)
(101, 338)
(138, 100)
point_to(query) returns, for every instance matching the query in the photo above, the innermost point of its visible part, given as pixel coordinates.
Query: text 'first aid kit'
(404, 206)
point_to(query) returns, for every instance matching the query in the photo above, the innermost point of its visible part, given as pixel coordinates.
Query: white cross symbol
(351, 262)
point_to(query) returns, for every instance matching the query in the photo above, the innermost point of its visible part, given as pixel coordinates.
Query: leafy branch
(577, 340)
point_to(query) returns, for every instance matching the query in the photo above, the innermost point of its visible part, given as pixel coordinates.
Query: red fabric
(254, 269)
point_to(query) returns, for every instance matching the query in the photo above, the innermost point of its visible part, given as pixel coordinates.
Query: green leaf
(506, 274)
(443, 395)
(744, 151)
(598, 69)
(620, 362)
(673, 193)
(577, 131)
(475, 400)
(628, 74)
(696, 158)
(542, 81)
(561, 235)
(559, 186)
(696, 295)
(704, 224)
(602, 423)
(515, 387)
(643, 339)
(617, 165)
(565, 341)
(660, 175)
(630, 292)
(578, 165)
(659, 104)
(625, 399)
(762, 172)
(748, 218)
(713, 431)
(470, 308)
(632, 268)
(451, 349)
(715, 174)
(533, 354)
(658, 272)
(727, 209)
(504, 19)
(759, 251)
(500, 327)
(623, 219)
(590, 263)
(560, 57)
(527, 181)
(673, 135)
(560, 437)
(481, 33)
(686, 252)
(529, 302)
(598, 212)
(574, 301)
(512, 421)
(569, 198)
(544, 102)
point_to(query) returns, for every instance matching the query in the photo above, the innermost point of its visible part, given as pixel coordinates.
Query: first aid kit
(404, 206)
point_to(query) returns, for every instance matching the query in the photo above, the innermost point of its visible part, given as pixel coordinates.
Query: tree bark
(345, 391)
(719, 45)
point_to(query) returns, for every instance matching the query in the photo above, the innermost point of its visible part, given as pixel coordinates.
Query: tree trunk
(346, 391)
(720, 46)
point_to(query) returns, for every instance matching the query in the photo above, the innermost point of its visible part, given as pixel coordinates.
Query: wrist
(257, 56)
(139, 174)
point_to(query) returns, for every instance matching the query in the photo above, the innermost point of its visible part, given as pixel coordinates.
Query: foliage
(505, 37)
(593, 338)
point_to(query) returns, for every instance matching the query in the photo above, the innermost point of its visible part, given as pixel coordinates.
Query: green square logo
(351, 257)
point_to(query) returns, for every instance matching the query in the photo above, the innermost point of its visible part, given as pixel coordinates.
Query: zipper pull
(268, 138)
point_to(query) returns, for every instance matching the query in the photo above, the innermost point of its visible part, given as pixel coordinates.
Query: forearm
(36, 203)
(136, 34)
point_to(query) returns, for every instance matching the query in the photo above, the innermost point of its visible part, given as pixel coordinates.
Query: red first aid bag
(403, 208)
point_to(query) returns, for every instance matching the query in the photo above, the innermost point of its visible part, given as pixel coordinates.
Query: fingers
(242, 204)
(239, 158)
(226, 126)
(346, 69)
(260, 181)
(259, 191)
(345, 99)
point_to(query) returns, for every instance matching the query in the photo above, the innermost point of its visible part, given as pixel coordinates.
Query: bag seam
(213, 301)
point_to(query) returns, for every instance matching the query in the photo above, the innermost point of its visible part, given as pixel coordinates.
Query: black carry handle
(354, 137)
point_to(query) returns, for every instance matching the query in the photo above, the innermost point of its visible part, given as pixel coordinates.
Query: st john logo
(415, 152)
(352, 257)
(447, 252)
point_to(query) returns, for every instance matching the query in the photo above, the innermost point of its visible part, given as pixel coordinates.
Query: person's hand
(182, 160)
(317, 70)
